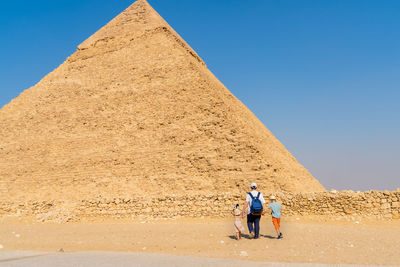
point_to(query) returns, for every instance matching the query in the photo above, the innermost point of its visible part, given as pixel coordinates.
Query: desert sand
(305, 240)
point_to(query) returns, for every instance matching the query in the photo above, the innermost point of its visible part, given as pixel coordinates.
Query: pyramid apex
(136, 20)
(140, 2)
(140, 16)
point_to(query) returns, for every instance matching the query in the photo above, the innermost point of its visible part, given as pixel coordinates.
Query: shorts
(238, 226)
(276, 222)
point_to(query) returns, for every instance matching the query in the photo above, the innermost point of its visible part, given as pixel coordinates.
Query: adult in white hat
(255, 207)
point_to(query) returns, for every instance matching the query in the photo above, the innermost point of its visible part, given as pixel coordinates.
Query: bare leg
(278, 231)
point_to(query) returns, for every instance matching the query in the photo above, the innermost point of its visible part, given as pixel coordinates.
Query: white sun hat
(272, 197)
(253, 185)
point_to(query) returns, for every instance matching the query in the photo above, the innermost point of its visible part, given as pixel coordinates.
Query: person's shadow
(268, 236)
(246, 236)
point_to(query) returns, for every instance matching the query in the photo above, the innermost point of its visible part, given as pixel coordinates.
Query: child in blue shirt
(276, 215)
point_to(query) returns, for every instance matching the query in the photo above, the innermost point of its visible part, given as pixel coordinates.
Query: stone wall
(374, 204)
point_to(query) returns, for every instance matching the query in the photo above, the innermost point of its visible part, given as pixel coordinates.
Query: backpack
(256, 207)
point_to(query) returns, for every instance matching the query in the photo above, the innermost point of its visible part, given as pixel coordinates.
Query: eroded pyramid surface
(135, 111)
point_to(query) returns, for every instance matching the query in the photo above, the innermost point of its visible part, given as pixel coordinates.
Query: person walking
(255, 207)
(237, 214)
(275, 208)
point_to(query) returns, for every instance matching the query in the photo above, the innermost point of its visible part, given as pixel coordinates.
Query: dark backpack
(256, 207)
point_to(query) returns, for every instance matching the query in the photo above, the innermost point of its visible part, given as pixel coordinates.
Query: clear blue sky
(323, 76)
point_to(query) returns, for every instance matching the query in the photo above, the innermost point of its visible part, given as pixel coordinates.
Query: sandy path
(304, 242)
(131, 259)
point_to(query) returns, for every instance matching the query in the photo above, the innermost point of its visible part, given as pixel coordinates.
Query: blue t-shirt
(276, 209)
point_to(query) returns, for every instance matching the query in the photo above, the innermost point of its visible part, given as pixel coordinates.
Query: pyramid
(135, 111)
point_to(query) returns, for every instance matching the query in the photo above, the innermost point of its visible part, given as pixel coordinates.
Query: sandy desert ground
(307, 240)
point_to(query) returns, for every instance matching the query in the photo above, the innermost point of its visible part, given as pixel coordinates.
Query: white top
(248, 199)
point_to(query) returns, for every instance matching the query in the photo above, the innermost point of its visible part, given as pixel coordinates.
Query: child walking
(276, 215)
(237, 213)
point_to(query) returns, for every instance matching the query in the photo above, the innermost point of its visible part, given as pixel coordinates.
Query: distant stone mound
(135, 111)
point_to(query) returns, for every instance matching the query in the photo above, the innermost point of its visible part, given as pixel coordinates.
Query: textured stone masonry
(374, 204)
(135, 108)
